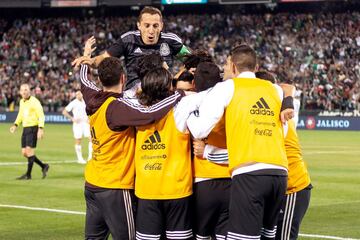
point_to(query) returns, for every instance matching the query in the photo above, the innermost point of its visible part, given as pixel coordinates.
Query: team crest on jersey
(164, 49)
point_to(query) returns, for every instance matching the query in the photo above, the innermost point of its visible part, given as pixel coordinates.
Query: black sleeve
(121, 112)
(174, 42)
(117, 49)
(88, 89)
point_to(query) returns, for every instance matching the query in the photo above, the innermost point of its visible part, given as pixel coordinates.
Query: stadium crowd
(318, 52)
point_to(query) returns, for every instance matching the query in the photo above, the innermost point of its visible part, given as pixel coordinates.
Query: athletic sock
(38, 162)
(30, 165)
(90, 151)
(78, 152)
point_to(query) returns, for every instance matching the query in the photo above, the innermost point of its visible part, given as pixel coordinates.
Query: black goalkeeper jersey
(131, 46)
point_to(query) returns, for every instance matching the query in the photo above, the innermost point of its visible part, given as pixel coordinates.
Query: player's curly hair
(155, 86)
(193, 59)
(110, 70)
(147, 63)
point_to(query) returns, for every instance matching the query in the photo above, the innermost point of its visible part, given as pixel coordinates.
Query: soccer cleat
(45, 170)
(24, 177)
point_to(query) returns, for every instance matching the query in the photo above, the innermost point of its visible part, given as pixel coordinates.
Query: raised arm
(123, 112)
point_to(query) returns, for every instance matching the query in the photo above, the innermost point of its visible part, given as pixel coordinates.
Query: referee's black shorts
(291, 214)
(29, 137)
(255, 202)
(109, 211)
(211, 213)
(163, 219)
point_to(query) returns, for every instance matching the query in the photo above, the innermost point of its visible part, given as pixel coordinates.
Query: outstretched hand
(86, 58)
(89, 49)
(83, 60)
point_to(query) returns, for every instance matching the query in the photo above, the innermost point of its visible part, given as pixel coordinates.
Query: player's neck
(114, 89)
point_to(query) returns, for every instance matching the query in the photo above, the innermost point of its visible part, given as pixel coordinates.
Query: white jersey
(296, 111)
(78, 110)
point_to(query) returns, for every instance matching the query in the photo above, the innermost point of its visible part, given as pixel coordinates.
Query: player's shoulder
(130, 35)
(169, 36)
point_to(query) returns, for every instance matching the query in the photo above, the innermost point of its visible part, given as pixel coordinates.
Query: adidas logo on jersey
(138, 50)
(261, 108)
(153, 142)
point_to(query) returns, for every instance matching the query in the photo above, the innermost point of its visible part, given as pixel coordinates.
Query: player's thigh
(149, 219)
(246, 206)
(29, 137)
(293, 211)
(77, 130)
(178, 218)
(273, 202)
(86, 130)
(117, 209)
(95, 225)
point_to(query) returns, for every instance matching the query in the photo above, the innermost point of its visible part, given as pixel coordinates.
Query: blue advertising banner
(305, 122)
(328, 123)
(10, 117)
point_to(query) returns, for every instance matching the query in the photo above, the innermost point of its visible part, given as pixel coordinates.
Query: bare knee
(29, 152)
(78, 141)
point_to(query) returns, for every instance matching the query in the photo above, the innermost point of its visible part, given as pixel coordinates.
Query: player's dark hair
(147, 63)
(186, 76)
(149, 10)
(193, 59)
(155, 86)
(207, 75)
(265, 75)
(110, 70)
(244, 58)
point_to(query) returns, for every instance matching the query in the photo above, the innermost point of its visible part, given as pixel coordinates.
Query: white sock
(90, 151)
(78, 153)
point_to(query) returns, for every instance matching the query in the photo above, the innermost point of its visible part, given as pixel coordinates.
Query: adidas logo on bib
(153, 142)
(261, 108)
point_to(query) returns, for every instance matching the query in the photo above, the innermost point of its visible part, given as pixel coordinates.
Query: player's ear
(161, 25)
(233, 68)
(138, 25)
(122, 79)
(256, 67)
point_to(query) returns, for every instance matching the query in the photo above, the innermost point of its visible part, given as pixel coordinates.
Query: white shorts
(81, 130)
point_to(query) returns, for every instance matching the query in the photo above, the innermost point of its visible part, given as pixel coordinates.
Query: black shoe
(45, 170)
(24, 177)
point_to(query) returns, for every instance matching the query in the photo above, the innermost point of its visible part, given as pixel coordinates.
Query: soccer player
(81, 127)
(212, 181)
(185, 81)
(109, 175)
(32, 117)
(163, 181)
(299, 187)
(254, 135)
(147, 39)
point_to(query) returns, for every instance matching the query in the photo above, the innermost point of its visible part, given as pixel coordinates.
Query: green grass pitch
(333, 160)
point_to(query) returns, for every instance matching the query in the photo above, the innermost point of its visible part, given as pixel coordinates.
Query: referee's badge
(164, 49)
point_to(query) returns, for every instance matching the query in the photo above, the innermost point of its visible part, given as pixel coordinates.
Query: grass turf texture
(333, 159)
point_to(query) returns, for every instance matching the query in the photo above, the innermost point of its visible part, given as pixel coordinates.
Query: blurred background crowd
(319, 53)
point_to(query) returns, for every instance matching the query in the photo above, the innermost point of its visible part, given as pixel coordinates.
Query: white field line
(42, 209)
(83, 213)
(325, 237)
(25, 163)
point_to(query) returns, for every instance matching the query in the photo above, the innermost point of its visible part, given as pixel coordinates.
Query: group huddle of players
(220, 160)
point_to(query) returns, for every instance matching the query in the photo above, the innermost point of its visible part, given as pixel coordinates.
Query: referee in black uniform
(149, 38)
